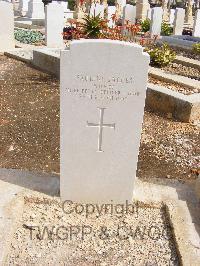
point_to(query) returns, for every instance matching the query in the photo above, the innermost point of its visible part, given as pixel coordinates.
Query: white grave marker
(172, 16)
(129, 13)
(36, 10)
(54, 23)
(102, 106)
(23, 7)
(149, 13)
(111, 12)
(196, 27)
(156, 20)
(119, 7)
(6, 26)
(97, 9)
(179, 21)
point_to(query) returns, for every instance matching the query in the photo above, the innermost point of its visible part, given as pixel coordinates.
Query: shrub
(196, 48)
(145, 25)
(71, 4)
(161, 56)
(69, 32)
(166, 29)
(92, 26)
(28, 36)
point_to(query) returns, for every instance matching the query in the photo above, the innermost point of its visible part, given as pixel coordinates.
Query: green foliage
(92, 26)
(111, 2)
(161, 56)
(145, 25)
(71, 4)
(196, 48)
(28, 36)
(166, 29)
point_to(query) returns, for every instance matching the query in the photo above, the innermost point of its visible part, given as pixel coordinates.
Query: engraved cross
(100, 125)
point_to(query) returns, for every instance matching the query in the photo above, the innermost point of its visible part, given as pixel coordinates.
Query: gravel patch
(168, 149)
(186, 53)
(186, 71)
(29, 129)
(143, 237)
(174, 86)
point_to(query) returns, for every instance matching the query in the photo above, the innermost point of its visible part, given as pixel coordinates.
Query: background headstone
(6, 26)
(149, 13)
(129, 13)
(36, 10)
(179, 21)
(171, 16)
(111, 12)
(102, 106)
(97, 9)
(63, 4)
(141, 9)
(120, 4)
(165, 10)
(196, 27)
(188, 13)
(23, 7)
(156, 21)
(54, 23)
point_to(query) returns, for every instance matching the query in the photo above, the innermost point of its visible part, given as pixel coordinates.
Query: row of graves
(31, 14)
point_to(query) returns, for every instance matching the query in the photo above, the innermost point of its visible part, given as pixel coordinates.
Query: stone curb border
(184, 108)
(185, 61)
(174, 78)
(181, 206)
(179, 41)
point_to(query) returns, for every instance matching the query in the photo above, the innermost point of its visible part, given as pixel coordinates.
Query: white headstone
(36, 9)
(196, 27)
(149, 13)
(63, 4)
(6, 26)
(129, 14)
(141, 9)
(156, 20)
(103, 89)
(111, 12)
(172, 16)
(179, 21)
(23, 7)
(97, 9)
(54, 23)
(120, 4)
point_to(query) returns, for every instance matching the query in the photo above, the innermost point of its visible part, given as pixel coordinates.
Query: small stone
(169, 115)
(11, 148)
(178, 159)
(168, 176)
